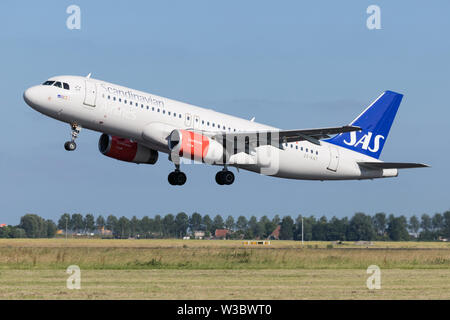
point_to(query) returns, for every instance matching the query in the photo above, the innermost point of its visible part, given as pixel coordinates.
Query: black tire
(219, 178)
(181, 178)
(70, 145)
(228, 177)
(171, 178)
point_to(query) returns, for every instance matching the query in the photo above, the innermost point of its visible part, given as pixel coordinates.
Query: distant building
(221, 233)
(104, 232)
(199, 234)
(3, 225)
(275, 235)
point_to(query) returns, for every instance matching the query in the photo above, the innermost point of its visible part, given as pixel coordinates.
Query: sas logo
(365, 141)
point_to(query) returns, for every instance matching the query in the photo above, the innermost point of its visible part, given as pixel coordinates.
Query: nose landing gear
(71, 145)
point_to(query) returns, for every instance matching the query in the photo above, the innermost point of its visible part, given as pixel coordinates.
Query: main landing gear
(177, 177)
(71, 145)
(225, 177)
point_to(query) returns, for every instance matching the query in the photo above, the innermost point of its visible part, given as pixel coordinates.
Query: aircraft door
(334, 158)
(90, 93)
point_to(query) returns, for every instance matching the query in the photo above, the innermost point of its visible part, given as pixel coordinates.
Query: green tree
(64, 222)
(146, 226)
(17, 232)
(425, 222)
(397, 228)
(207, 224)
(181, 224)
(100, 222)
(320, 229)
(361, 228)
(414, 225)
(195, 222)
(217, 223)
(5, 232)
(380, 223)
(308, 227)
(158, 225)
(89, 223)
(111, 224)
(135, 226)
(446, 225)
(168, 226)
(241, 223)
(51, 229)
(77, 222)
(229, 223)
(337, 229)
(287, 228)
(123, 228)
(34, 226)
(437, 222)
(253, 227)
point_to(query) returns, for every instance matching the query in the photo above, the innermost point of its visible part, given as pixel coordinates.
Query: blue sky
(289, 64)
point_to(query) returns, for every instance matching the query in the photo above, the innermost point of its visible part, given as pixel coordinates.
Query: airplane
(136, 126)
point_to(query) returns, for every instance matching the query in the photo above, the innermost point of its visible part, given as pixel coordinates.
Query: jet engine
(126, 150)
(196, 146)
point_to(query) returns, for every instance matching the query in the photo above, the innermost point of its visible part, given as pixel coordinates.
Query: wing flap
(392, 165)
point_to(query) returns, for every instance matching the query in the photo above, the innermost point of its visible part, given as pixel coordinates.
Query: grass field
(190, 269)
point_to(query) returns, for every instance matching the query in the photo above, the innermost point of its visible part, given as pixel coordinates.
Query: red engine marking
(193, 145)
(122, 149)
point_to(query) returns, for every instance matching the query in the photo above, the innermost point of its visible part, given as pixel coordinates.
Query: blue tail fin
(375, 123)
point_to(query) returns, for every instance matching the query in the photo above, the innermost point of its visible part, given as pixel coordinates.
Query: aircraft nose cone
(30, 97)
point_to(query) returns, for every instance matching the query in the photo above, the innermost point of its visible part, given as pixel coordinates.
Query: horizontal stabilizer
(392, 165)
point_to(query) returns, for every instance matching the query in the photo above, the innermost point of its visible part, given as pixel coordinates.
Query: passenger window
(57, 84)
(66, 86)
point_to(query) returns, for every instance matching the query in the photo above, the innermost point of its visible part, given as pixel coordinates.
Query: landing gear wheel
(181, 178)
(177, 178)
(228, 177)
(70, 145)
(224, 177)
(219, 178)
(171, 178)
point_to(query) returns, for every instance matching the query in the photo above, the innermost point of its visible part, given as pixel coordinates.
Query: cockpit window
(48, 83)
(58, 84)
(66, 86)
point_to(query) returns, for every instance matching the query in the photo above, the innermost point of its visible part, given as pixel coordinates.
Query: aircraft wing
(392, 165)
(273, 137)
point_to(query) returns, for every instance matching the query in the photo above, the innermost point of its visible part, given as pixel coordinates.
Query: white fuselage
(149, 119)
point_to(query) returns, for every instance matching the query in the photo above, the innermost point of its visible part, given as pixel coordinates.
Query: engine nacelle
(126, 150)
(195, 146)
